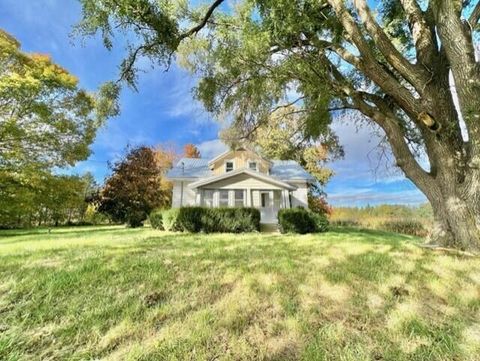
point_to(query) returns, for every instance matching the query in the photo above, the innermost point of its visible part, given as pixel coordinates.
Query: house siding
(188, 194)
(300, 195)
(240, 159)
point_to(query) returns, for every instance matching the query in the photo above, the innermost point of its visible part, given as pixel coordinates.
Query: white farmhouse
(240, 178)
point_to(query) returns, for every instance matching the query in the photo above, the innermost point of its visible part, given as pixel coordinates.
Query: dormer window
(252, 166)
(228, 166)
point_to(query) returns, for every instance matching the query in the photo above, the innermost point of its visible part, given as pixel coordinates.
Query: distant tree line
(49, 200)
(422, 211)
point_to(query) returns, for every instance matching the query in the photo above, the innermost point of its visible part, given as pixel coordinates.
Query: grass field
(114, 293)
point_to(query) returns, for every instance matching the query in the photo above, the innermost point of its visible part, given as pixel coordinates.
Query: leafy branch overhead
(156, 24)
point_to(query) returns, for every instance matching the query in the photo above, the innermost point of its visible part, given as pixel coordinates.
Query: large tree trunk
(451, 186)
(456, 223)
(444, 46)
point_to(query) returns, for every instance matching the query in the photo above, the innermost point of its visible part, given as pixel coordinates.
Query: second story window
(228, 166)
(252, 166)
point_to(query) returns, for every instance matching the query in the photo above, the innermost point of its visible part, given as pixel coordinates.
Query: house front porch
(268, 201)
(245, 189)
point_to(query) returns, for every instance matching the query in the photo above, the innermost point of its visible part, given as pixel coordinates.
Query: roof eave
(218, 178)
(181, 178)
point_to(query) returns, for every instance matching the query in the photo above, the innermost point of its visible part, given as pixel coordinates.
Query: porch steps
(269, 228)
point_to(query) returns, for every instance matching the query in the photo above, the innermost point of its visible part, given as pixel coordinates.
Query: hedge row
(208, 220)
(301, 220)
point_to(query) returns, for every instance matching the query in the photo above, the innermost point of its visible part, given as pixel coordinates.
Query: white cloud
(367, 174)
(211, 148)
(363, 156)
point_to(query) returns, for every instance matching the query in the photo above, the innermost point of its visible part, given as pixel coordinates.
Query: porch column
(198, 200)
(287, 198)
(249, 197)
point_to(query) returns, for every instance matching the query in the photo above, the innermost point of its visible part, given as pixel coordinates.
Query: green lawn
(114, 293)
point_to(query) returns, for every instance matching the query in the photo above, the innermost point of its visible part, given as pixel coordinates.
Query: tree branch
(386, 119)
(371, 67)
(423, 35)
(457, 41)
(128, 70)
(340, 51)
(397, 139)
(203, 22)
(475, 15)
(412, 74)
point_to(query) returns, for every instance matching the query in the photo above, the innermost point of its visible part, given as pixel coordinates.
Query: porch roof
(237, 172)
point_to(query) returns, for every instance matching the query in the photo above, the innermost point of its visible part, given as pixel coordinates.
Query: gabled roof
(251, 173)
(220, 156)
(195, 168)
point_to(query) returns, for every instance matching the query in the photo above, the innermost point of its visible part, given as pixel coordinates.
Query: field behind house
(139, 294)
(417, 220)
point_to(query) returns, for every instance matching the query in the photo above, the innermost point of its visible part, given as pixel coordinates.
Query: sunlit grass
(139, 294)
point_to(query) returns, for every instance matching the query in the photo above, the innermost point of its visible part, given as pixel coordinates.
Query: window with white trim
(228, 166)
(239, 198)
(252, 166)
(264, 199)
(277, 198)
(223, 198)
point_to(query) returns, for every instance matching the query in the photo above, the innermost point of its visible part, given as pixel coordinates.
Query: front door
(276, 203)
(266, 207)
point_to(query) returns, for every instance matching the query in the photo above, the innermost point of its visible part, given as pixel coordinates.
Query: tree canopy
(45, 118)
(191, 151)
(46, 121)
(136, 186)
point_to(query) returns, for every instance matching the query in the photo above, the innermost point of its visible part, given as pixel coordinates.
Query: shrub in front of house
(212, 220)
(321, 222)
(230, 220)
(135, 218)
(155, 219)
(170, 219)
(300, 220)
(190, 219)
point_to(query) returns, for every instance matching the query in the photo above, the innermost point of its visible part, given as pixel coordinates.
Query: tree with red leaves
(191, 151)
(135, 188)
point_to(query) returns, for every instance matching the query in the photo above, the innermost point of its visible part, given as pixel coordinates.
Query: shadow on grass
(376, 233)
(59, 236)
(59, 230)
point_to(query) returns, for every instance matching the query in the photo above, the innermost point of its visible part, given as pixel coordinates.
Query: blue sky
(163, 111)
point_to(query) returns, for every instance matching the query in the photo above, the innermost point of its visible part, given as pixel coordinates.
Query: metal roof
(198, 168)
(190, 168)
